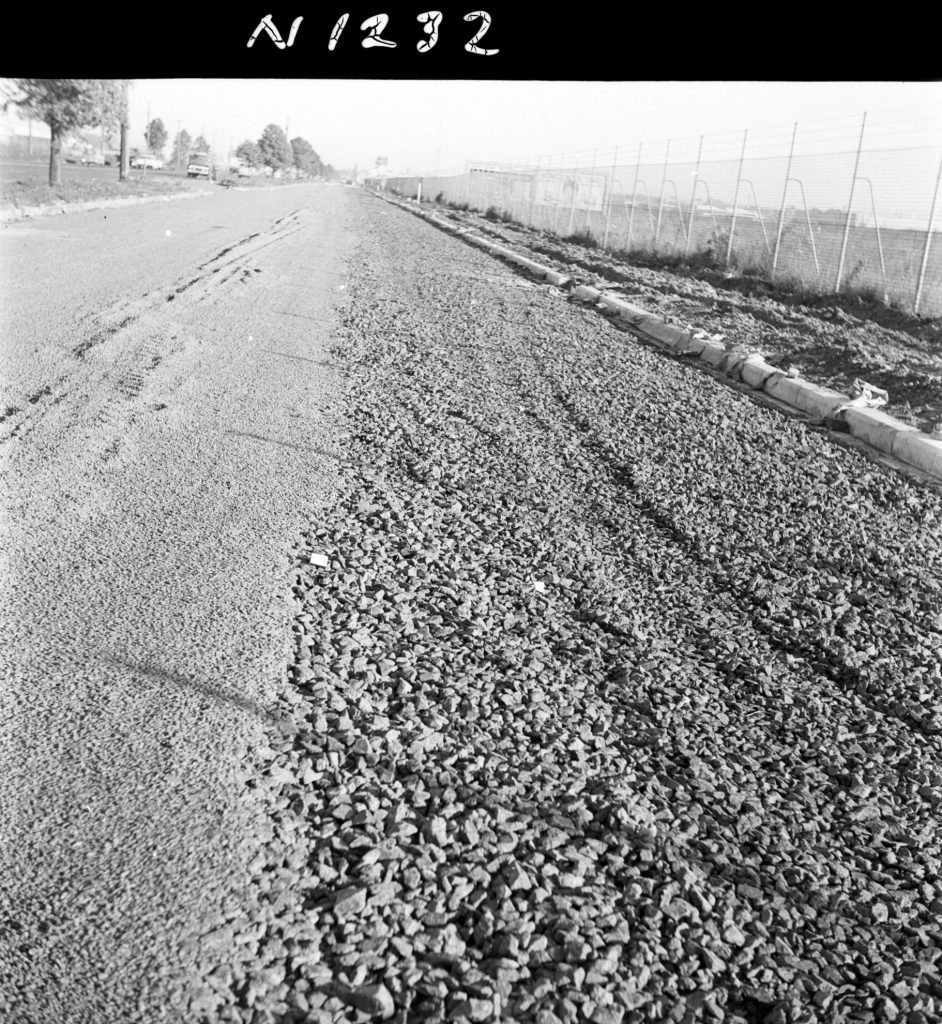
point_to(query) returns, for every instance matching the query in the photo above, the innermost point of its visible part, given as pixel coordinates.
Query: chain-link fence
(839, 206)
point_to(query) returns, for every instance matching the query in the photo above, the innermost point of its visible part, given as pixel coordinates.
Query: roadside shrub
(584, 238)
(492, 213)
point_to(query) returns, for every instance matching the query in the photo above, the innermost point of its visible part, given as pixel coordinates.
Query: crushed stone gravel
(830, 339)
(614, 697)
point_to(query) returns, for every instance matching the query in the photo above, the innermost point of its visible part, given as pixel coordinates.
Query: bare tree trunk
(55, 154)
(123, 160)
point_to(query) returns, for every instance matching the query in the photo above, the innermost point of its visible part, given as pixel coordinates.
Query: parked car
(147, 160)
(199, 165)
(72, 156)
(93, 160)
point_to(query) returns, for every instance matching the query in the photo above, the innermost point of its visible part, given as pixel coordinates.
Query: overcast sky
(425, 125)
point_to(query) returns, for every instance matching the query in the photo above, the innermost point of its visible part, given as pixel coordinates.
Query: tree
(249, 153)
(200, 145)
(181, 148)
(156, 136)
(111, 102)
(304, 157)
(67, 104)
(124, 162)
(276, 153)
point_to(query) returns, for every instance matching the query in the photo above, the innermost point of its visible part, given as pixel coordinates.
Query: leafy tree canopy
(156, 136)
(276, 153)
(249, 153)
(181, 147)
(67, 104)
(304, 157)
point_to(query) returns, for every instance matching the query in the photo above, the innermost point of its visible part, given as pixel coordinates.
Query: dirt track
(163, 440)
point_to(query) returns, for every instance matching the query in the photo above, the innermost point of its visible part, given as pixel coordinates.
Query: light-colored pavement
(164, 430)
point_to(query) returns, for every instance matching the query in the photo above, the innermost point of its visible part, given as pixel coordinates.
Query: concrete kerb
(732, 364)
(755, 371)
(874, 428)
(817, 401)
(585, 293)
(713, 354)
(691, 347)
(919, 450)
(877, 428)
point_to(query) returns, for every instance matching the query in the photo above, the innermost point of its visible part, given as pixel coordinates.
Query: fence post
(660, 202)
(533, 187)
(781, 212)
(588, 204)
(558, 197)
(693, 198)
(572, 204)
(925, 249)
(608, 204)
(850, 208)
(732, 223)
(876, 226)
(634, 196)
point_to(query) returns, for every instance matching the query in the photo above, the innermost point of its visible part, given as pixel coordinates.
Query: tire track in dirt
(126, 342)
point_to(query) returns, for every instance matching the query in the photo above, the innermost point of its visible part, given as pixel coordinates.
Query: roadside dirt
(19, 192)
(831, 342)
(25, 185)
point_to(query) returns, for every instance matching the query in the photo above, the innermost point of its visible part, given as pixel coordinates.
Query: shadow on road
(284, 444)
(182, 682)
(304, 359)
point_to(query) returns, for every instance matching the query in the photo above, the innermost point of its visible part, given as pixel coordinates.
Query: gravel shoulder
(831, 340)
(613, 697)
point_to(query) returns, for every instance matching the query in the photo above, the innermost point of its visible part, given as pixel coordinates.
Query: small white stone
(317, 558)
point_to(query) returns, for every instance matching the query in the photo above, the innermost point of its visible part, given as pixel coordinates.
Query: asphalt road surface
(163, 434)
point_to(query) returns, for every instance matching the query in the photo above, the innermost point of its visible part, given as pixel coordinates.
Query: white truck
(199, 165)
